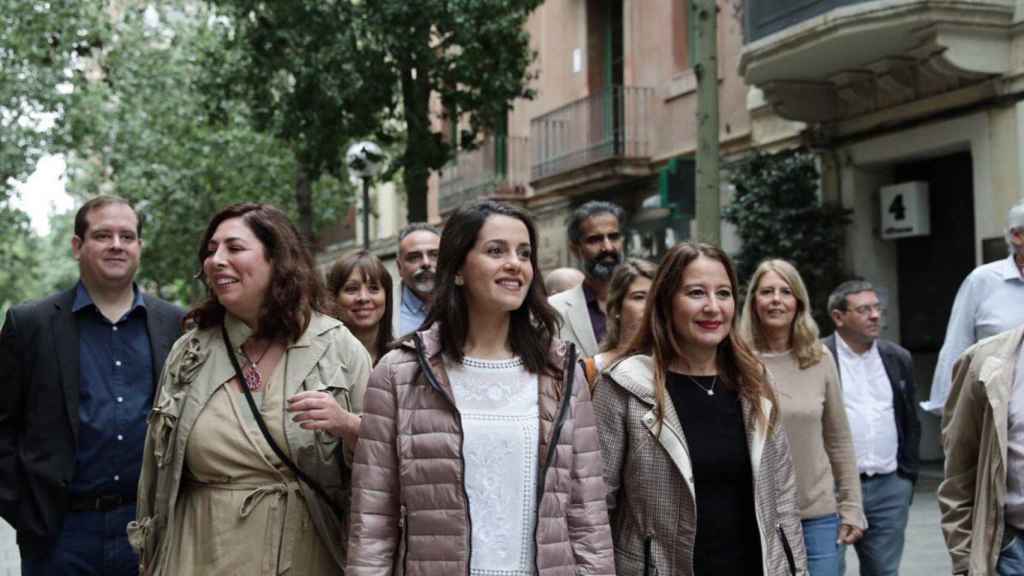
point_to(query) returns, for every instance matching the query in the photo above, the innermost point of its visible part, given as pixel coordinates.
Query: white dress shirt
(990, 301)
(1014, 506)
(867, 395)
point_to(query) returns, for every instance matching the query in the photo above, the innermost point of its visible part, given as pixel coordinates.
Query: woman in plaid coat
(699, 474)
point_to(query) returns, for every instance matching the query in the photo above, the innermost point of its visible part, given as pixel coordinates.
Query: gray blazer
(576, 327)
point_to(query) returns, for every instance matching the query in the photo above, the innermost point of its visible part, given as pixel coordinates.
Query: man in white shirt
(878, 391)
(595, 238)
(990, 301)
(982, 495)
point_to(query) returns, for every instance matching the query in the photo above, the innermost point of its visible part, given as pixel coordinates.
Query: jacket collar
(431, 338)
(303, 354)
(635, 374)
(996, 374)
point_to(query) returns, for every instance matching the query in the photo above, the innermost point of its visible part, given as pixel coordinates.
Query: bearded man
(595, 238)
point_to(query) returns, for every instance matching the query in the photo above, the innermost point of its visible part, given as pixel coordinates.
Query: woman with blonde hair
(777, 323)
(698, 469)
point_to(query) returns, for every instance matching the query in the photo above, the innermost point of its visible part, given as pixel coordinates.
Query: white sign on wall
(905, 209)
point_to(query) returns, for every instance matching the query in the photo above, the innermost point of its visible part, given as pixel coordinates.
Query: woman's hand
(848, 534)
(320, 411)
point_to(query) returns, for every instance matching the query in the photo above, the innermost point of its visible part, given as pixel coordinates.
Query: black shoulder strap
(266, 433)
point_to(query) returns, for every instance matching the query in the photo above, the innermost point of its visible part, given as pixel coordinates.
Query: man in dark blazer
(79, 371)
(878, 392)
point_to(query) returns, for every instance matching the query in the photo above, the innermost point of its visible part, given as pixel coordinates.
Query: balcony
(499, 168)
(832, 60)
(593, 139)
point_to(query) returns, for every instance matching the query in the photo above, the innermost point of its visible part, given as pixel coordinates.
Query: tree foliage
(778, 214)
(18, 256)
(42, 44)
(320, 74)
(141, 131)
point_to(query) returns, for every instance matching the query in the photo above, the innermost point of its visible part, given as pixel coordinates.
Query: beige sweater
(822, 448)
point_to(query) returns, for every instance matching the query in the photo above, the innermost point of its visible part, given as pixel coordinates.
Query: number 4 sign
(905, 210)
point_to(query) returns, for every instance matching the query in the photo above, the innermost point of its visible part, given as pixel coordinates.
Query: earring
(458, 280)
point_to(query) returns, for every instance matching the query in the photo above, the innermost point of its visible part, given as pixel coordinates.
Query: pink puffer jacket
(409, 505)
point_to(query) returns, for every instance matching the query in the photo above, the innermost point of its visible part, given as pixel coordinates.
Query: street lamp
(365, 160)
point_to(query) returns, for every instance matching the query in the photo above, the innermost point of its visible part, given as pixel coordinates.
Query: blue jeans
(820, 536)
(887, 507)
(90, 544)
(1011, 558)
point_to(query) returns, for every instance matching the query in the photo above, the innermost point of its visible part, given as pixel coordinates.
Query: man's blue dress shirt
(115, 396)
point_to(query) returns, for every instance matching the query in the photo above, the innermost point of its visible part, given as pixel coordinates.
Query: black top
(727, 540)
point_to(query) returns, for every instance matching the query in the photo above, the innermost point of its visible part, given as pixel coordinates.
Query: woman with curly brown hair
(698, 468)
(777, 323)
(245, 464)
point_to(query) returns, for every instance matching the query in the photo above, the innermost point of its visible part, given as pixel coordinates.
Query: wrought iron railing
(613, 123)
(499, 167)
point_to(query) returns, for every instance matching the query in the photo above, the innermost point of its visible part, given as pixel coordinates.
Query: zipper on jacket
(403, 525)
(787, 549)
(647, 557)
(568, 377)
(421, 357)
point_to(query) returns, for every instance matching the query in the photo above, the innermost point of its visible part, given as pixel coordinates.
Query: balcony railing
(614, 123)
(499, 167)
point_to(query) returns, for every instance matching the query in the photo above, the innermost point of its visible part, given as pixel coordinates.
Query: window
(684, 49)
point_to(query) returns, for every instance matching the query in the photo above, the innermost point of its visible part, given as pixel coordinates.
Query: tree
(41, 46)
(778, 214)
(331, 72)
(18, 256)
(141, 131)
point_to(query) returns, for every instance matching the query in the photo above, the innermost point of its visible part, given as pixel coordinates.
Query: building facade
(614, 118)
(904, 92)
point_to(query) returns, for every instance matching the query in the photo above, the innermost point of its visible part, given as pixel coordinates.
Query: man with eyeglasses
(80, 369)
(878, 391)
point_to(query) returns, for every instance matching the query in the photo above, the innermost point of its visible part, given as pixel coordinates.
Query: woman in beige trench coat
(214, 496)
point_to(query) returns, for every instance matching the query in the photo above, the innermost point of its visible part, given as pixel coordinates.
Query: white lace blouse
(500, 422)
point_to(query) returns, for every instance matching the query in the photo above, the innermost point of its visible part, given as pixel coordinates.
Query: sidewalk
(924, 553)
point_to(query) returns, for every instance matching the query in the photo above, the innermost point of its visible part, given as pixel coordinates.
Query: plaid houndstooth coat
(651, 488)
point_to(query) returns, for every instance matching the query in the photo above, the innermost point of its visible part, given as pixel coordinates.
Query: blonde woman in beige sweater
(777, 323)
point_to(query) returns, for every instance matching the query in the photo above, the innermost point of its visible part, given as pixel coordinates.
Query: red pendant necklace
(251, 373)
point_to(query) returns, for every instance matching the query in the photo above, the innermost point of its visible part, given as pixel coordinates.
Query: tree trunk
(304, 202)
(420, 145)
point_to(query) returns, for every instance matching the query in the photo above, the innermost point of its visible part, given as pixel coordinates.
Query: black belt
(99, 503)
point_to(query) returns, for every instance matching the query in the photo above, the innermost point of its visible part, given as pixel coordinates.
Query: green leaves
(319, 75)
(778, 214)
(145, 131)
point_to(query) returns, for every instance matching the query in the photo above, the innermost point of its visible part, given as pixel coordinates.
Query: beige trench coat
(327, 357)
(974, 428)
